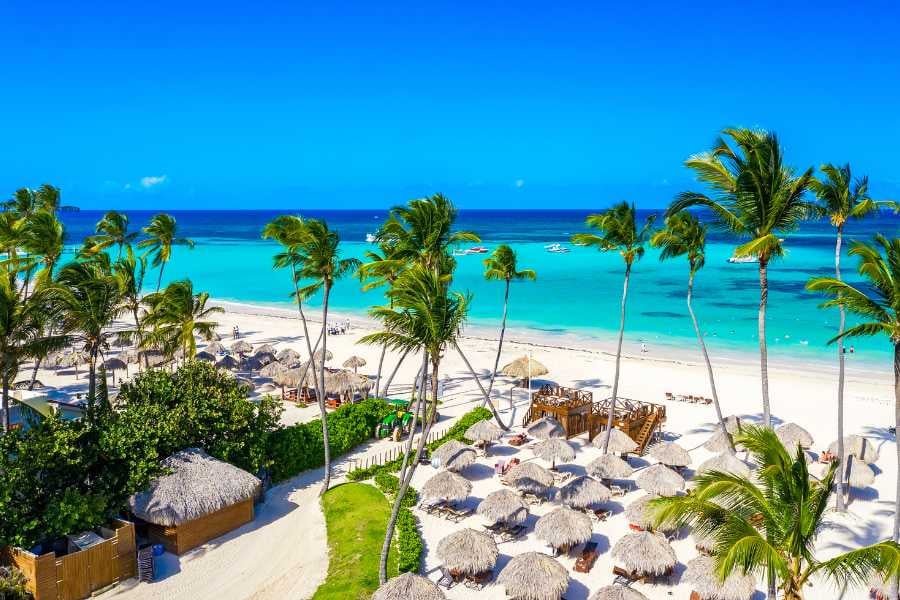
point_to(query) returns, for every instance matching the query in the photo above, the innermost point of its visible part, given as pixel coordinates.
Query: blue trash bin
(158, 549)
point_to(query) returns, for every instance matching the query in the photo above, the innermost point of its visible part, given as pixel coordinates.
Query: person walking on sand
(643, 348)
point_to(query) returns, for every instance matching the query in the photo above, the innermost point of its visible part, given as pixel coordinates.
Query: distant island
(67, 208)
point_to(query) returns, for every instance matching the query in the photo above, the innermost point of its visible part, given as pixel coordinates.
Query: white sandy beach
(283, 553)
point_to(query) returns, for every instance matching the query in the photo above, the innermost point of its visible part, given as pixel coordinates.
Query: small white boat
(557, 248)
(371, 238)
(740, 260)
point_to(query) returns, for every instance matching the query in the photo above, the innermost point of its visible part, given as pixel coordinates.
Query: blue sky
(499, 104)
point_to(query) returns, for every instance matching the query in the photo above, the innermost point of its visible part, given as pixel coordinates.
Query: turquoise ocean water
(576, 293)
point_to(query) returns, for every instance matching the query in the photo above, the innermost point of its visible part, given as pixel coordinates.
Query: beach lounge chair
(457, 514)
(601, 514)
(518, 440)
(477, 581)
(447, 580)
(512, 533)
(495, 528)
(616, 491)
(588, 557)
(624, 577)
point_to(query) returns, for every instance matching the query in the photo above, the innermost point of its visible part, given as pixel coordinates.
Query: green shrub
(409, 541)
(12, 584)
(298, 448)
(387, 483)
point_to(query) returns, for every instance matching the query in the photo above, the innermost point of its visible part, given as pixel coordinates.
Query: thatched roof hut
(523, 368)
(468, 552)
(858, 473)
(554, 449)
(564, 527)
(701, 574)
(858, 446)
(503, 506)
(545, 428)
(320, 356)
(454, 455)
(205, 356)
(484, 431)
(295, 377)
(265, 349)
(660, 479)
(272, 369)
(617, 592)
(645, 553)
(409, 586)
(619, 441)
(791, 435)
(726, 463)
(670, 454)
(228, 362)
(446, 485)
(288, 357)
(530, 477)
(241, 347)
(718, 442)
(609, 466)
(637, 512)
(582, 492)
(534, 576)
(215, 348)
(340, 382)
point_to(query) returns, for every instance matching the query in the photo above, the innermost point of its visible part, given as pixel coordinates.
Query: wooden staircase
(646, 432)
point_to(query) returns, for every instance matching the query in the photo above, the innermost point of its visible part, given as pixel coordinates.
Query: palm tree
(684, 235)
(318, 260)
(88, 299)
(768, 525)
(422, 315)
(162, 236)
(26, 202)
(501, 266)
(618, 231)
(756, 197)
(177, 315)
(43, 238)
(843, 198)
(112, 230)
(11, 231)
(878, 304)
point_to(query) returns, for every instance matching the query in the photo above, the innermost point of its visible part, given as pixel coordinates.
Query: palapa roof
(660, 479)
(546, 427)
(858, 446)
(564, 527)
(718, 442)
(272, 369)
(609, 466)
(446, 485)
(732, 424)
(619, 441)
(318, 354)
(503, 506)
(152, 357)
(555, 449)
(454, 455)
(71, 358)
(582, 492)
(637, 512)
(215, 348)
(485, 431)
(645, 552)
(530, 477)
(617, 592)
(354, 362)
(228, 362)
(296, 377)
(670, 454)
(534, 576)
(205, 356)
(792, 434)
(701, 574)
(114, 364)
(196, 485)
(859, 474)
(468, 551)
(726, 463)
(409, 586)
(524, 367)
(265, 349)
(288, 357)
(241, 347)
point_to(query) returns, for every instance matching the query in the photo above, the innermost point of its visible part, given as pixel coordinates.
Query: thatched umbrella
(484, 431)
(265, 349)
(703, 543)
(617, 592)
(264, 358)
(564, 527)
(468, 552)
(215, 348)
(701, 574)
(272, 369)
(858, 446)
(544, 428)
(153, 358)
(645, 553)
(530, 477)
(195, 485)
(609, 466)
(205, 356)
(582, 492)
(718, 442)
(503, 506)
(726, 463)
(858, 473)
(555, 449)
(319, 354)
(637, 512)
(254, 363)
(113, 365)
(670, 454)
(72, 358)
(354, 362)
(534, 576)
(228, 362)
(446, 485)
(409, 586)
(454, 455)
(619, 441)
(289, 357)
(732, 424)
(660, 479)
(792, 435)
(241, 347)
(524, 367)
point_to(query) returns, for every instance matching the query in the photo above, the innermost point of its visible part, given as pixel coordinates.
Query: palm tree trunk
(763, 352)
(615, 390)
(92, 382)
(709, 369)
(500, 342)
(162, 266)
(5, 378)
(34, 372)
(387, 384)
(487, 399)
(378, 374)
(839, 500)
(321, 397)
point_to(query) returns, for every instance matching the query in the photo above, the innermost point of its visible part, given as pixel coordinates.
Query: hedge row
(298, 448)
(409, 540)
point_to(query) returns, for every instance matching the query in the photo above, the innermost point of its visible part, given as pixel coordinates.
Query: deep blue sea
(576, 293)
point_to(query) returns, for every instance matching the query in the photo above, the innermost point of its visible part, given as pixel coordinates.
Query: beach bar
(570, 407)
(94, 561)
(639, 420)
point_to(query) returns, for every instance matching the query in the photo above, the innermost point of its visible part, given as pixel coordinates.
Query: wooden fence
(392, 453)
(79, 574)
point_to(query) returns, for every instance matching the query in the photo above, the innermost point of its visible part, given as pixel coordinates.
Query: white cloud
(153, 180)
(520, 183)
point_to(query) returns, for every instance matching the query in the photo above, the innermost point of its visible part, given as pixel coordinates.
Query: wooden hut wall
(189, 535)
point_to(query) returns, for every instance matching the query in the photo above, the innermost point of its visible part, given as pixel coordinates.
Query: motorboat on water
(468, 251)
(740, 260)
(370, 237)
(556, 248)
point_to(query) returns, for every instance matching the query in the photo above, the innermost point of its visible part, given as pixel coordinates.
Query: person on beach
(643, 348)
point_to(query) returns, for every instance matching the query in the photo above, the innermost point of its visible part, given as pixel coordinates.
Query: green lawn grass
(356, 515)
